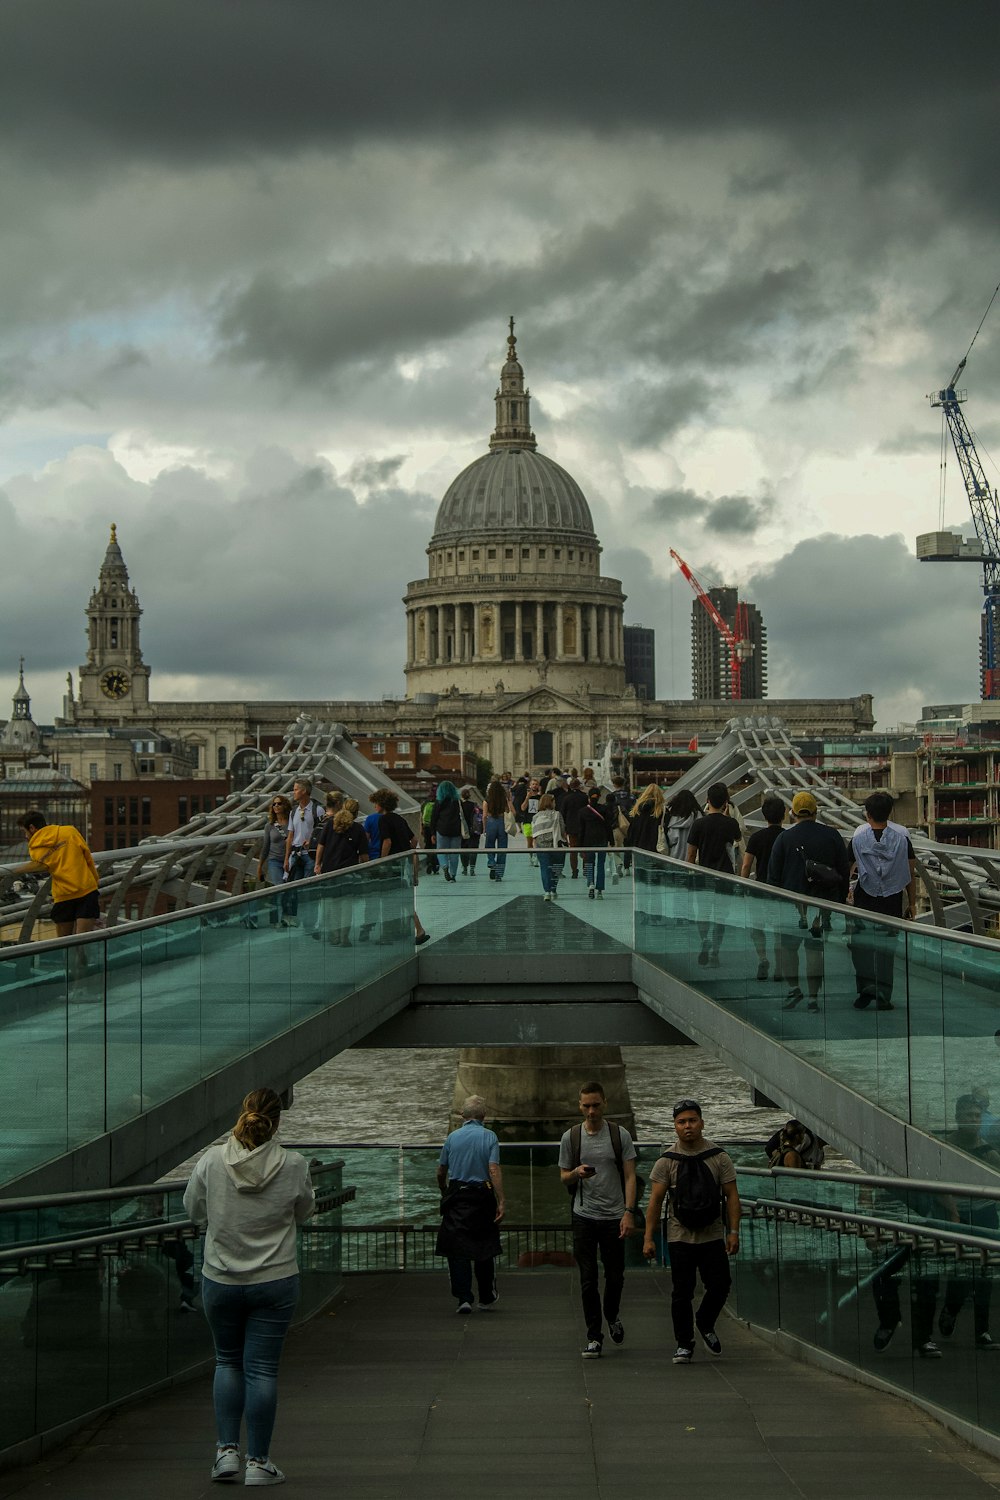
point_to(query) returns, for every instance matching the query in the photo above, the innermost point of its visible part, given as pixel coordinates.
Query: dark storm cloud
(186, 78)
(277, 580)
(367, 310)
(374, 473)
(729, 515)
(851, 614)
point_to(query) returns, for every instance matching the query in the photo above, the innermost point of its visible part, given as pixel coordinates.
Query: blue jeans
(248, 1326)
(549, 867)
(447, 860)
(280, 905)
(589, 860)
(496, 838)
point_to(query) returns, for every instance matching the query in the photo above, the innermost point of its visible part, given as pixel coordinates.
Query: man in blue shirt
(471, 1186)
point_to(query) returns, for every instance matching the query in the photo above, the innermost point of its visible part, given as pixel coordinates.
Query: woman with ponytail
(249, 1194)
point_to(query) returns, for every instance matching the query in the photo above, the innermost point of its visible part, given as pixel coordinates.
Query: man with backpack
(597, 1166)
(697, 1176)
(809, 858)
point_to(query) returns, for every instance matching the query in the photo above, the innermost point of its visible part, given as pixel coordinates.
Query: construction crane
(946, 546)
(738, 644)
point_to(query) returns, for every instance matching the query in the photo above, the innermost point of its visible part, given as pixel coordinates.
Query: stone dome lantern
(514, 581)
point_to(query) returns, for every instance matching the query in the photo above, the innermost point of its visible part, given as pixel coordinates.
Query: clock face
(115, 683)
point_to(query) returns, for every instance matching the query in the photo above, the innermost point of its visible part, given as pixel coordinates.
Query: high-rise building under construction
(711, 659)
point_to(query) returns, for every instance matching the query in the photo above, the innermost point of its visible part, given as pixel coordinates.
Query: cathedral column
(619, 635)
(595, 648)
(559, 632)
(579, 630)
(410, 636)
(539, 631)
(518, 653)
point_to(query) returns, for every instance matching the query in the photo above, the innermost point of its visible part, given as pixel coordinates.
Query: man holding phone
(597, 1166)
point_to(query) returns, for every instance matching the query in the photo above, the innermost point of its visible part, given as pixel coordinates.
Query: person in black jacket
(806, 841)
(595, 835)
(446, 828)
(573, 804)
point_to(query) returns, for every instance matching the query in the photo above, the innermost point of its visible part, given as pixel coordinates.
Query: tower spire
(513, 402)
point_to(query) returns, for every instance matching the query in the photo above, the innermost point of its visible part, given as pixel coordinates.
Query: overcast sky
(257, 260)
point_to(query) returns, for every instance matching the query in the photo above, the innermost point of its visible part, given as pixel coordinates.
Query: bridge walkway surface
(387, 1394)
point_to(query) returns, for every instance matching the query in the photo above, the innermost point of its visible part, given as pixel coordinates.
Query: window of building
(425, 747)
(378, 747)
(116, 771)
(114, 632)
(195, 805)
(222, 757)
(557, 552)
(109, 810)
(120, 810)
(508, 552)
(569, 554)
(182, 810)
(133, 809)
(525, 551)
(167, 767)
(147, 766)
(147, 811)
(461, 557)
(541, 551)
(475, 554)
(64, 768)
(402, 747)
(491, 552)
(93, 770)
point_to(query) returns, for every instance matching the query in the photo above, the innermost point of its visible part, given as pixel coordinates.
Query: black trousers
(873, 949)
(924, 1285)
(591, 1236)
(460, 1268)
(687, 1262)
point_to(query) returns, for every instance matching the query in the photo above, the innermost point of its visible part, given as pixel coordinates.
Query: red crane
(738, 644)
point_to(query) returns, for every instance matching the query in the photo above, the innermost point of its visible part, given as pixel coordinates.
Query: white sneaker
(547, 896)
(262, 1471)
(227, 1464)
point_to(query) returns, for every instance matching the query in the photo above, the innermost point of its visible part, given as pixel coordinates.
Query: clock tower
(114, 681)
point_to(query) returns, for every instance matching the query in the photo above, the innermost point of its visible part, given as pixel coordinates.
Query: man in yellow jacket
(58, 850)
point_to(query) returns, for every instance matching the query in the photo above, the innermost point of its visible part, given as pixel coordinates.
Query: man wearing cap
(471, 1185)
(694, 1250)
(883, 855)
(806, 842)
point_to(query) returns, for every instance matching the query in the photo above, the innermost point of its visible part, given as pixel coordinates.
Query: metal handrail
(140, 1190)
(109, 1241)
(18, 950)
(893, 1231)
(907, 1184)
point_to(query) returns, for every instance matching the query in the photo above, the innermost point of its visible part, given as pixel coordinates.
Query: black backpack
(695, 1196)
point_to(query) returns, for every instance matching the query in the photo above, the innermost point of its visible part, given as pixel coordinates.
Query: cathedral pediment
(541, 700)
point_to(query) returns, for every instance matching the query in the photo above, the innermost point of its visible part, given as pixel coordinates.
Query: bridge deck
(390, 1395)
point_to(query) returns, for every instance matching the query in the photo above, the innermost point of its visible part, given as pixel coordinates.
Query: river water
(391, 1095)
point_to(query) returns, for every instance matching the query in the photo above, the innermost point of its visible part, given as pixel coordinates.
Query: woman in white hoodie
(249, 1194)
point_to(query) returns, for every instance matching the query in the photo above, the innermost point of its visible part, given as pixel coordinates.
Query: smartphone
(588, 1171)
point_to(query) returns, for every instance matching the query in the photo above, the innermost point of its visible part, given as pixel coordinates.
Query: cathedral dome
(512, 489)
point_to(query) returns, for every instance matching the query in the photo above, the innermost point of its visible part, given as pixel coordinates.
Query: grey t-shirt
(600, 1196)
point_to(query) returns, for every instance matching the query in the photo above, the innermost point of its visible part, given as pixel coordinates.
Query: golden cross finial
(114, 532)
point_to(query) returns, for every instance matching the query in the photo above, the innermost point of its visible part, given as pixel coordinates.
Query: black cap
(683, 1105)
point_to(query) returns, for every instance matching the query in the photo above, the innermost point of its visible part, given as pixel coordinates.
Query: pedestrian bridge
(123, 1051)
(385, 1394)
